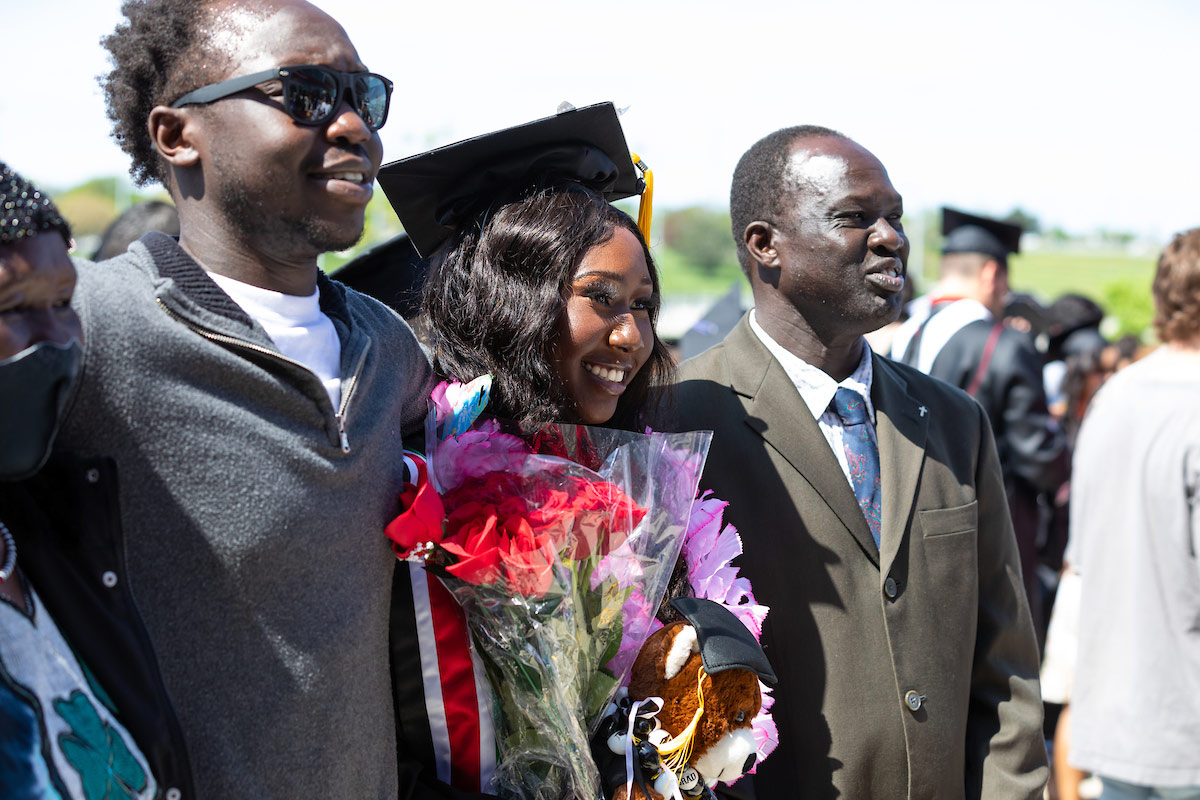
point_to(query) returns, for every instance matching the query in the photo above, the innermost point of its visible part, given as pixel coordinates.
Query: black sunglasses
(311, 93)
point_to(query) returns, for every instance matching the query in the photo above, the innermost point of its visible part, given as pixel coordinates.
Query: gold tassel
(677, 752)
(646, 203)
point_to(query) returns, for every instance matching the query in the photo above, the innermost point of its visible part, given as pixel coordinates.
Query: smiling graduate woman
(535, 277)
(539, 281)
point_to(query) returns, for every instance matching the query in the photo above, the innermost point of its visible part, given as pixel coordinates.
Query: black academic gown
(1031, 447)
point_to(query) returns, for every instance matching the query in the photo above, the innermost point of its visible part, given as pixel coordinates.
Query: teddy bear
(685, 723)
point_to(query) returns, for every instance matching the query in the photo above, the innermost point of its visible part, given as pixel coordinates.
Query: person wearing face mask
(82, 712)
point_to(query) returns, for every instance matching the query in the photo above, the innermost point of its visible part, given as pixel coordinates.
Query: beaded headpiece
(26, 211)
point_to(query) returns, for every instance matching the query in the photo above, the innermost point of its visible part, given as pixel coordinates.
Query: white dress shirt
(816, 388)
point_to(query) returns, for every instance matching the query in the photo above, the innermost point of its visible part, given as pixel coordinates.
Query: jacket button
(890, 588)
(93, 475)
(109, 579)
(912, 700)
(174, 794)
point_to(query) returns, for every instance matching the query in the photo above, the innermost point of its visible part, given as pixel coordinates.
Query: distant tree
(1131, 304)
(1118, 238)
(701, 236)
(380, 223)
(1028, 222)
(90, 206)
(88, 211)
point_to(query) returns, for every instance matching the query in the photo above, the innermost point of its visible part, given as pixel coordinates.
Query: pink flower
(474, 454)
(709, 551)
(622, 565)
(766, 735)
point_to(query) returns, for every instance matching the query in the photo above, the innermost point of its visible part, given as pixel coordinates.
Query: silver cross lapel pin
(923, 410)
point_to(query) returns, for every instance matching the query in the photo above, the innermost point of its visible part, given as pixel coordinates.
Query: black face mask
(34, 387)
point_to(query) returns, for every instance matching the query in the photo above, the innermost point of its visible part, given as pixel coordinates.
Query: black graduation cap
(392, 272)
(725, 643)
(968, 233)
(434, 193)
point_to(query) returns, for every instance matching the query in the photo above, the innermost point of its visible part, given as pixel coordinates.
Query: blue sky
(1084, 113)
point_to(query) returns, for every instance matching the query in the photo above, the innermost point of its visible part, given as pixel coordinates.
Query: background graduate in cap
(538, 280)
(962, 339)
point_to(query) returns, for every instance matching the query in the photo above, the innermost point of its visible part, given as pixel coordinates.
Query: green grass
(1119, 283)
(1048, 275)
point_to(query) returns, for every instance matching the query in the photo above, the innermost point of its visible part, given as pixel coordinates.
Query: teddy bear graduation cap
(724, 641)
(685, 724)
(437, 192)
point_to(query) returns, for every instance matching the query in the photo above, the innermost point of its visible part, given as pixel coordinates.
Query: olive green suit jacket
(906, 671)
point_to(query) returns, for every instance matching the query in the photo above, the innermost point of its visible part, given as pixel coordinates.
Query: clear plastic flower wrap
(558, 543)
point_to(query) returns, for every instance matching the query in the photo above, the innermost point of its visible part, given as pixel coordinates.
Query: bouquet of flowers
(558, 544)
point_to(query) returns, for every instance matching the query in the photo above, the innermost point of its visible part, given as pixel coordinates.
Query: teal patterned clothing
(61, 739)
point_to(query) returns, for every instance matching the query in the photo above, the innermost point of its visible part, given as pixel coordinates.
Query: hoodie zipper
(351, 384)
(221, 338)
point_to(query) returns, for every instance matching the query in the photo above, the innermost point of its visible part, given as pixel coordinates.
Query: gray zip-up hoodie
(253, 515)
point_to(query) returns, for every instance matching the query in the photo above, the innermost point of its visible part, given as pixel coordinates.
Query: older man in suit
(870, 500)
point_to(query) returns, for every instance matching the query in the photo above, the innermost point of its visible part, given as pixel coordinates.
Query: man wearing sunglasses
(254, 407)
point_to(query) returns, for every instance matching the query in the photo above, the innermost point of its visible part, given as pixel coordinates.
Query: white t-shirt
(297, 326)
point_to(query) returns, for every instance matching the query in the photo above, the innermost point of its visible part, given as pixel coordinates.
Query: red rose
(477, 545)
(548, 441)
(553, 515)
(462, 514)
(421, 520)
(604, 517)
(528, 559)
(520, 523)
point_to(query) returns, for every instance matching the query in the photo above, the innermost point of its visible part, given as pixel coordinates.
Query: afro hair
(158, 54)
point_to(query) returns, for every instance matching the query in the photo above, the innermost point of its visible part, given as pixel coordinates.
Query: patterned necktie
(861, 454)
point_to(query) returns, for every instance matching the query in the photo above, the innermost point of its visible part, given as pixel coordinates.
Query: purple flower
(708, 549)
(638, 623)
(476, 453)
(763, 727)
(622, 565)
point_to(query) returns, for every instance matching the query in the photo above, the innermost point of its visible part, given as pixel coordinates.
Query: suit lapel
(776, 412)
(901, 425)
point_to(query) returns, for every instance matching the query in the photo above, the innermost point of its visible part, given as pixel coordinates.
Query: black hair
(759, 187)
(158, 54)
(26, 211)
(138, 219)
(495, 298)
